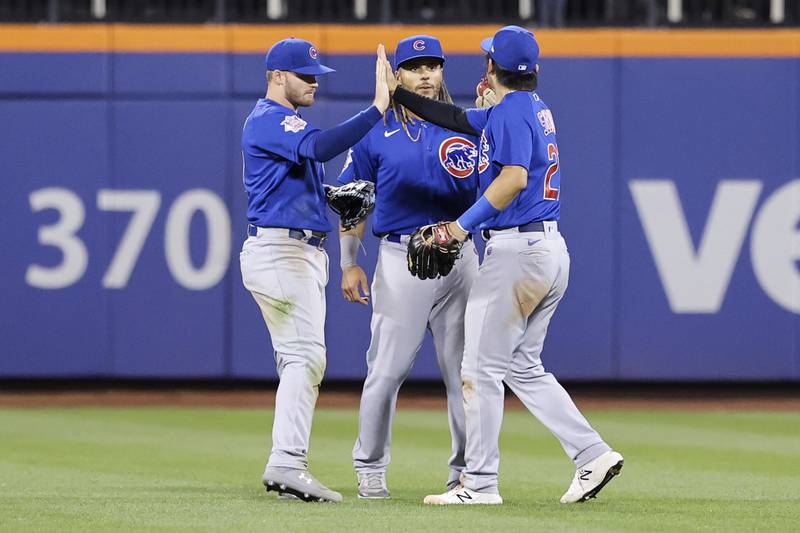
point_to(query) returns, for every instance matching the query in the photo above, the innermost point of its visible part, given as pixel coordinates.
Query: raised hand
(381, 88)
(391, 80)
(486, 96)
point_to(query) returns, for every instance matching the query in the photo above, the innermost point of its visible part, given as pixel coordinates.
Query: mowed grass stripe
(157, 469)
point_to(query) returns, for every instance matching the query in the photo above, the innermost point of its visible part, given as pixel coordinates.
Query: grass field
(155, 469)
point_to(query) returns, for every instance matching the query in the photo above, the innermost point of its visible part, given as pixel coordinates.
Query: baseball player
(283, 262)
(423, 174)
(522, 278)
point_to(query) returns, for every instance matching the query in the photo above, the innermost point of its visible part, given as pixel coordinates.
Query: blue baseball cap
(296, 55)
(513, 48)
(417, 46)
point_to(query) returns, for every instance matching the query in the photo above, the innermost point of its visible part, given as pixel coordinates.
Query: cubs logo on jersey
(457, 156)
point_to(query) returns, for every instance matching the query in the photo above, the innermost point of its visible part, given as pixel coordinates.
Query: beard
(300, 97)
(430, 93)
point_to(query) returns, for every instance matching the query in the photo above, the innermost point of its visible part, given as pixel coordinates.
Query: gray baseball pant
(403, 306)
(287, 279)
(520, 282)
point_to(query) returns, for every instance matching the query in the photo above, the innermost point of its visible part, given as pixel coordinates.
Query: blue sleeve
(513, 139)
(325, 145)
(477, 117)
(359, 165)
(281, 135)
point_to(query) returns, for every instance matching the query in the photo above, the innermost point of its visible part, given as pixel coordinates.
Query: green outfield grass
(153, 469)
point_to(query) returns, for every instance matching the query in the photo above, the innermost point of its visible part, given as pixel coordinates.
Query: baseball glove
(352, 202)
(432, 251)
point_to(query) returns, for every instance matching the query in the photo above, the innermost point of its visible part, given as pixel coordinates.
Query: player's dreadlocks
(402, 115)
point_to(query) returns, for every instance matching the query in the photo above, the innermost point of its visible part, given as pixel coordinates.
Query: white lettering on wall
(695, 280)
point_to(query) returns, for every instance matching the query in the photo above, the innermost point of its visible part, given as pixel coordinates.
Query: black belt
(532, 226)
(317, 238)
(395, 237)
(525, 228)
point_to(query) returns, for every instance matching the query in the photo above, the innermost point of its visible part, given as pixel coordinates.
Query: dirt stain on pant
(527, 295)
(278, 313)
(467, 389)
(315, 367)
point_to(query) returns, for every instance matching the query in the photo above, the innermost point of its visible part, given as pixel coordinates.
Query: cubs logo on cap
(457, 156)
(296, 55)
(417, 46)
(513, 48)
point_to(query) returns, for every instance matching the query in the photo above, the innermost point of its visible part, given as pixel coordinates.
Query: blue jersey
(520, 131)
(416, 183)
(284, 189)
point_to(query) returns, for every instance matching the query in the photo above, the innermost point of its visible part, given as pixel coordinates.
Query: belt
(532, 226)
(312, 238)
(396, 237)
(538, 225)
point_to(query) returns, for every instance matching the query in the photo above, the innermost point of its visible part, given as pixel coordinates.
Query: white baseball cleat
(463, 496)
(592, 477)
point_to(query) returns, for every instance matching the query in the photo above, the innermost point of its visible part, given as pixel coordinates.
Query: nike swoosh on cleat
(390, 133)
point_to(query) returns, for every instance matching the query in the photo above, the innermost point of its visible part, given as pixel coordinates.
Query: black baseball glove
(352, 202)
(432, 251)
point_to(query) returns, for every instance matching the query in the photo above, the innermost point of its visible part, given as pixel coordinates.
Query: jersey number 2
(551, 193)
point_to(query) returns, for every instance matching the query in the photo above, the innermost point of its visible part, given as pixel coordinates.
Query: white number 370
(143, 206)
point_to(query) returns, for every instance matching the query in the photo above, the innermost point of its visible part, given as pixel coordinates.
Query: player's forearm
(325, 145)
(442, 114)
(500, 193)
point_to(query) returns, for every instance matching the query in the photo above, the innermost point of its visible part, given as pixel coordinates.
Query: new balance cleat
(463, 496)
(592, 477)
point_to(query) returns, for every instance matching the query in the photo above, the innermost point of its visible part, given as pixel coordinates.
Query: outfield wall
(123, 209)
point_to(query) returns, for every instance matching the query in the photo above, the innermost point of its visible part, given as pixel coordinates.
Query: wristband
(348, 245)
(481, 211)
